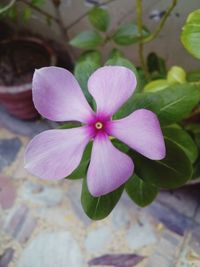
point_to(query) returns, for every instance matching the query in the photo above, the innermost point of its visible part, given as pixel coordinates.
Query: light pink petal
(54, 154)
(111, 86)
(109, 168)
(141, 131)
(57, 95)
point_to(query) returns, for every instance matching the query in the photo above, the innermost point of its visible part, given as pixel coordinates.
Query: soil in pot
(18, 60)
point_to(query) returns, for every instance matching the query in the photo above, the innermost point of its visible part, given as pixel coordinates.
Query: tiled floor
(43, 225)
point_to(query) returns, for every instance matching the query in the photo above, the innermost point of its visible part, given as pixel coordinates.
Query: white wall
(167, 45)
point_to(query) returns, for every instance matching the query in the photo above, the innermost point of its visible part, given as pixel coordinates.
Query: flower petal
(54, 154)
(111, 86)
(109, 168)
(57, 95)
(141, 131)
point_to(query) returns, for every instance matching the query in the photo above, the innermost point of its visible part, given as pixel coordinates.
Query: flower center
(98, 125)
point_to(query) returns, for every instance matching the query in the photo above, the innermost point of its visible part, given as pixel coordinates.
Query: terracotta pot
(17, 99)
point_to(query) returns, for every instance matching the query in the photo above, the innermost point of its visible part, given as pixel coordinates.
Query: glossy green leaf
(141, 192)
(156, 66)
(172, 172)
(171, 104)
(82, 72)
(182, 139)
(81, 170)
(176, 75)
(115, 53)
(87, 40)
(156, 85)
(98, 208)
(193, 76)
(190, 36)
(128, 34)
(91, 55)
(99, 18)
(69, 125)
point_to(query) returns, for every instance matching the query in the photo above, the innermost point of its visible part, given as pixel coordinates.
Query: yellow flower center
(98, 125)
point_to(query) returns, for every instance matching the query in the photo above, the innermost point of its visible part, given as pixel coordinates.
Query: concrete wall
(167, 45)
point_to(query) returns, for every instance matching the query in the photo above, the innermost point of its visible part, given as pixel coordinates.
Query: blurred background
(42, 223)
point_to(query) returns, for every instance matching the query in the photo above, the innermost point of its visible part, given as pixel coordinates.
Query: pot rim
(13, 89)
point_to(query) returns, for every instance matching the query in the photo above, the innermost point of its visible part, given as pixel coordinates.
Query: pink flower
(55, 154)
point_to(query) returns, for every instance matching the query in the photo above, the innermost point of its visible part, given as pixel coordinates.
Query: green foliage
(98, 208)
(86, 65)
(141, 192)
(87, 40)
(156, 85)
(176, 75)
(172, 172)
(171, 104)
(156, 66)
(193, 76)
(182, 139)
(128, 34)
(37, 2)
(191, 34)
(26, 14)
(80, 171)
(99, 18)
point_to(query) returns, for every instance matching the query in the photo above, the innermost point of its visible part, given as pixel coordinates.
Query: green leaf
(82, 72)
(37, 3)
(171, 104)
(99, 18)
(128, 34)
(176, 75)
(184, 140)
(142, 193)
(172, 172)
(115, 53)
(87, 40)
(91, 55)
(98, 208)
(69, 125)
(193, 76)
(80, 171)
(26, 14)
(156, 85)
(190, 35)
(156, 66)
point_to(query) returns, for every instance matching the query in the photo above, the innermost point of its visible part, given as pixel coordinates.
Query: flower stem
(161, 24)
(3, 9)
(141, 45)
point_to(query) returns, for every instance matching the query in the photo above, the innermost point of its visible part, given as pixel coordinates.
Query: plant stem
(161, 24)
(3, 9)
(72, 24)
(44, 13)
(141, 45)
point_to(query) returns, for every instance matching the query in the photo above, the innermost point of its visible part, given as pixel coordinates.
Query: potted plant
(20, 56)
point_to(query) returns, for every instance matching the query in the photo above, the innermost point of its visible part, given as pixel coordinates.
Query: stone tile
(158, 260)
(6, 257)
(169, 245)
(52, 249)
(184, 200)
(20, 224)
(97, 239)
(170, 217)
(7, 192)
(41, 194)
(141, 234)
(117, 260)
(8, 151)
(26, 128)
(121, 216)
